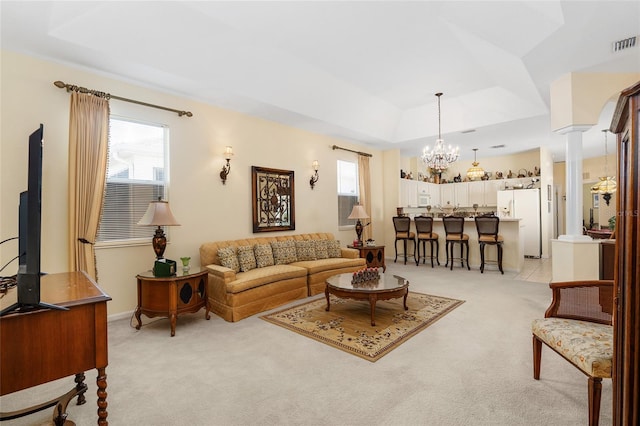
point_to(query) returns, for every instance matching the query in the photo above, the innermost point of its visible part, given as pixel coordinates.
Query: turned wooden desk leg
(80, 388)
(101, 381)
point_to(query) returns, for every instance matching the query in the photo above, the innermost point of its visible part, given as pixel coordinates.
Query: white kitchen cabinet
(434, 190)
(484, 193)
(491, 188)
(428, 194)
(461, 196)
(447, 194)
(476, 193)
(408, 193)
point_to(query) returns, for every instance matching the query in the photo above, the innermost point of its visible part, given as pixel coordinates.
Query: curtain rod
(350, 150)
(74, 88)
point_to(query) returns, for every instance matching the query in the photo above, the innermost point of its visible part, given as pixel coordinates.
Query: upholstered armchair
(578, 326)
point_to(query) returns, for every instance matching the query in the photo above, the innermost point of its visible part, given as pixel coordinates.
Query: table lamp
(358, 213)
(159, 214)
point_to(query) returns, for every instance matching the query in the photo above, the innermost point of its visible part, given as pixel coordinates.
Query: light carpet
(347, 326)
(474, 367)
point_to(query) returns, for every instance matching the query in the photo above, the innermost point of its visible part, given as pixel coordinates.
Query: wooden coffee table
(388, 287)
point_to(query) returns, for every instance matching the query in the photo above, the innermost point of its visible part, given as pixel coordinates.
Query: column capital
(574, 128)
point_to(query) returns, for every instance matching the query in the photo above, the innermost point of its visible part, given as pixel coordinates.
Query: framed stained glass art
(273, 193)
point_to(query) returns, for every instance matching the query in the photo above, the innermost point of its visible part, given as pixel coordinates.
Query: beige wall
(503, 163)
(207, 209)
(578, 98)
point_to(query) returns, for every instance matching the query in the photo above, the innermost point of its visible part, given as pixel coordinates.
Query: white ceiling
(362, 71)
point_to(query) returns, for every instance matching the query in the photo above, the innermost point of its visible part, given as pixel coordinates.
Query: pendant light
(440, 158)
(475, 172)
(607, 184)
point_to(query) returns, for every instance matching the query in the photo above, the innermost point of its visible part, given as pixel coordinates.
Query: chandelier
(607, 184)
(475, 172)
(440, 158)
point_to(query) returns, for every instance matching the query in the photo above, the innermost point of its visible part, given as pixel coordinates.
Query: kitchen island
(513, 247)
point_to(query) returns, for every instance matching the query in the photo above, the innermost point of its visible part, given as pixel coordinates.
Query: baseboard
(119, 316)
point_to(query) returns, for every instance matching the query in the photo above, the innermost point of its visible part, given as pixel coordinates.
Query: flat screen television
(30, 232)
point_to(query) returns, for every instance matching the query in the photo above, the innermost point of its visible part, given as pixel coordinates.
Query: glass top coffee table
(387, 287)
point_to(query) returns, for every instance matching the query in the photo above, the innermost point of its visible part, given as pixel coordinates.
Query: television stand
(28, 307)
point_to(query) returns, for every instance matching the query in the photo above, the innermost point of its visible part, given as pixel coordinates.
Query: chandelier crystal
(441, 157)
(475, 172)
(607, 184)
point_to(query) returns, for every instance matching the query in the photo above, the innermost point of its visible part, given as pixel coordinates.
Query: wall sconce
(228, 153)
(314, 176)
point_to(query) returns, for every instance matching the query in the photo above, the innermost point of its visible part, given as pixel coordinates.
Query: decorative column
(573, 176)
(575, 256)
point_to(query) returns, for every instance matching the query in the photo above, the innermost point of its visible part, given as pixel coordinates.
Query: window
(136, 175)
(347, 191)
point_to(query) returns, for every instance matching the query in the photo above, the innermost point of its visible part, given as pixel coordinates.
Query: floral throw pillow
(305, 250)
(246, 258)
(228, 258)
(321, 249)
(284, 252)
(333, 248)
(264, 255)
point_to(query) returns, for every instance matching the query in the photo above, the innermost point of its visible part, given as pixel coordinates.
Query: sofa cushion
(246, 258)
(284, 252)
(305, 250)
(263, 276)
(264, 255)
(321, 265)
(333, 248)
(587, 345)
(228, 258)
(321, 249)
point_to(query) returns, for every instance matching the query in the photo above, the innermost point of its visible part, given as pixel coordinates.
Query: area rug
(347, 326)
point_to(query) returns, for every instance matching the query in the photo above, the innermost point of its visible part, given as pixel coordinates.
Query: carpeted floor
(347, 326)
(473, 367)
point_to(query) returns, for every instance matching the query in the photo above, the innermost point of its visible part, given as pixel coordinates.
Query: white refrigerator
(524, 204)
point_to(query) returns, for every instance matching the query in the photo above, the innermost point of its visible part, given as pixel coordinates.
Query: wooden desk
(45, 345)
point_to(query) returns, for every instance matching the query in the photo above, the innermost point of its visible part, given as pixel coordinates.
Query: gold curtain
(88, 147)
(364, 185)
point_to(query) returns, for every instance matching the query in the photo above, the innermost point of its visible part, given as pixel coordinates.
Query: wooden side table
(172, 296)
(374, 255)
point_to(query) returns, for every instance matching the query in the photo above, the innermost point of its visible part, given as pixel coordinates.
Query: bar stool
(487, 227)
(454, 229)
(424, 229)
(402, 225)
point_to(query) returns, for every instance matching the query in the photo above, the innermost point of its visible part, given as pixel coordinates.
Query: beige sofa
(236, 292)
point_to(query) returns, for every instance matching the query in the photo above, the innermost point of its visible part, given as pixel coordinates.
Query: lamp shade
(607, 185)
(158, 213)
(358, 212)
(475, 171)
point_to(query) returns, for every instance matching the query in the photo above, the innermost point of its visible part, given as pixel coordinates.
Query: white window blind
(347, 191)
(136, 175)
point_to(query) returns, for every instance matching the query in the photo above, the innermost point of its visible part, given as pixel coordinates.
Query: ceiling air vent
(624, 44)
(497, 146)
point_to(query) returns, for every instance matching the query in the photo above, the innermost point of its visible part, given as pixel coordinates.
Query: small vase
(185, 264)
